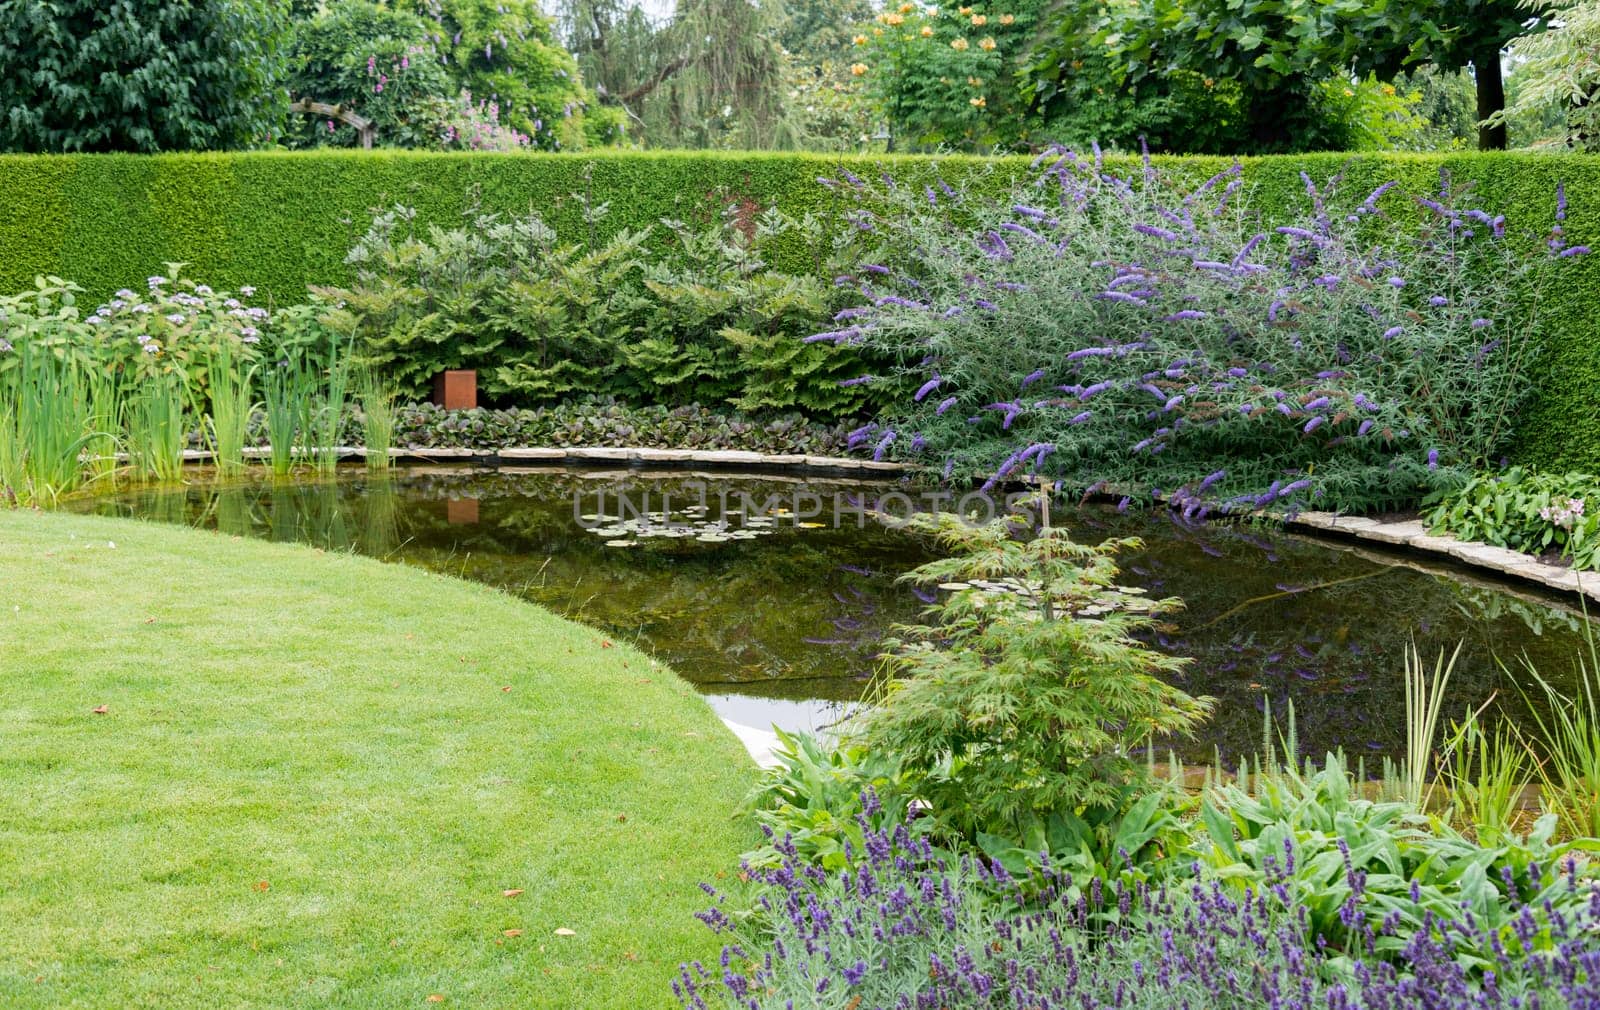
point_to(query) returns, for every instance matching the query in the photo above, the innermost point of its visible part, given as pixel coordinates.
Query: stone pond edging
(733, 458)
(1413, 534)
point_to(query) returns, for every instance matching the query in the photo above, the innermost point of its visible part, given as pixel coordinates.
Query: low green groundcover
(251, 775)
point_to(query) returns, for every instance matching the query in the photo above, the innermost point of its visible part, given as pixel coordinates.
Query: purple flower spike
(945, 405)
(928, 387)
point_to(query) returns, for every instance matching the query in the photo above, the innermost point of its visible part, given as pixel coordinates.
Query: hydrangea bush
(1165, 338)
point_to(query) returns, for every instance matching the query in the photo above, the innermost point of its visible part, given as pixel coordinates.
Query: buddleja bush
(695, 318)
(1167, 339)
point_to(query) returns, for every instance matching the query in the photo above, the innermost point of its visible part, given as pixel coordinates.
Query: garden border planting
(281, 221)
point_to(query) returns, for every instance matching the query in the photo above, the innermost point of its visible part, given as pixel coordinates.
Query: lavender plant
(901, 930)
(1163, 338)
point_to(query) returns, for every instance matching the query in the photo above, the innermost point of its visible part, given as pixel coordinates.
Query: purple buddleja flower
(1570, 251)
(926, 388)
(1397, 282)
(1370, 204)
(1032, 377)
(1155, 231)
(1481, 324)
(1121, 296)
(883, 446)
(1433, 459)
(834, 336)
(1392, 332)
(1030, 212)
(1011, 408)
(875, 268)
(860, 380)
(1024, 231)
(1314, 424)
(1561, 201)
(1300, 233)
(946, 404)
(1081, 418)
(1438, 301)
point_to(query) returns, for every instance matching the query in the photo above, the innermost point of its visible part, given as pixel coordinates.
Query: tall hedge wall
(281, 220)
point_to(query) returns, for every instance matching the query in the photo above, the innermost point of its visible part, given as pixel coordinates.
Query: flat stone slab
(533, 453)
(834, 462)
(665, 455)
(759, 742)
(426, 453)
(1395, 533)
(728, 456)
(600, 452)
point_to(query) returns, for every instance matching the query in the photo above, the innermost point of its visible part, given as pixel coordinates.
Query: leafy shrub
(820, 802)
(900, 929)
(1027, 693)
(597, 422)
(1524, 510)
(1371, 876)
(173, 328)
(1162, 337)
(703, 320)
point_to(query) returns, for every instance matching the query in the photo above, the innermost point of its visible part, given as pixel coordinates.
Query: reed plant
(1484, 772)
(47, 428)
(327, 415)
(1566, 741)
(232, 402)
(156, 429)
(1425, 692)
(377, 398)
(106, 405)
(287, 387)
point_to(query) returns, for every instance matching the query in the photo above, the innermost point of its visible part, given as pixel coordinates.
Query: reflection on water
(776, 617)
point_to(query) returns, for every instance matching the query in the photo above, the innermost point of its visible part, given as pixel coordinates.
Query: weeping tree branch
(659, 78)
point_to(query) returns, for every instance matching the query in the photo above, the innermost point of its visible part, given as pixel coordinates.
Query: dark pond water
(777, 617)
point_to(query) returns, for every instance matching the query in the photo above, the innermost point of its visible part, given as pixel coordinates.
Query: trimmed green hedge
(280, 221)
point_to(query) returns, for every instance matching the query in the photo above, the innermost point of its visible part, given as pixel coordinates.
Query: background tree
(819, 31)
(1280, 50)
(712, 75)
(380, 62)
(1556, 84)
(140, 75)
(505, 52)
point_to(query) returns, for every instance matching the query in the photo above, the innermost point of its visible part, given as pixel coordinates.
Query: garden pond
(772, 594)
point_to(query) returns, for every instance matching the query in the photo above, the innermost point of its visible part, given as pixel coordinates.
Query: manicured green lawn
(316, 775)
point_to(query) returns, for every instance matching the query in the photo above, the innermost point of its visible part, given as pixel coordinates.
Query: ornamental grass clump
(1167, 339)
(900, 929)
